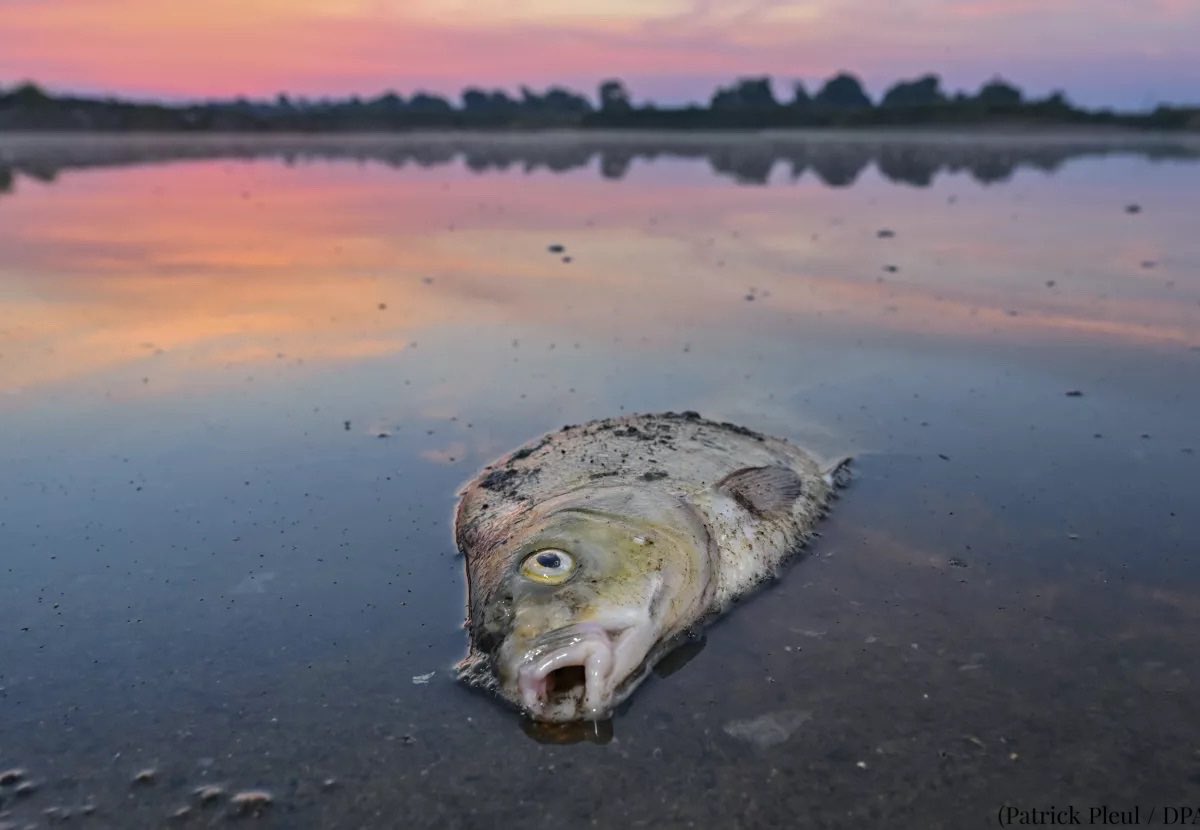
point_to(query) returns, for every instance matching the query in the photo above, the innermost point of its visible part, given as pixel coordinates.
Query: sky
(1125, 53)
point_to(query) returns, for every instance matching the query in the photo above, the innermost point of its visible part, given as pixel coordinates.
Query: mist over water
(241, 380)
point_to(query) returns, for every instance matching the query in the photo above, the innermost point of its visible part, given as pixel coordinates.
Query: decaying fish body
(591, 551)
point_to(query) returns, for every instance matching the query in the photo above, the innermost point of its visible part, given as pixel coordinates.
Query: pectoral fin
(763, 491)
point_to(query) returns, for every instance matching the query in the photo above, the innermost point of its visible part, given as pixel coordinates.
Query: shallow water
(238, 391)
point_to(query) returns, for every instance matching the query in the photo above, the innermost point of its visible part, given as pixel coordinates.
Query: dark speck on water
(1016, 626)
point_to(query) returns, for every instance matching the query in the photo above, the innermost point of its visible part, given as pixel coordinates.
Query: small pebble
(251, 802)
(26, 788)
(11, 776)
(209, 794)
(145, 776)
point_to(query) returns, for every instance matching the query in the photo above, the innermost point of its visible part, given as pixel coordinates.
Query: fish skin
(671, 516)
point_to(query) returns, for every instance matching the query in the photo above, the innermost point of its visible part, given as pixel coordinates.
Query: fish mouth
(565, 675)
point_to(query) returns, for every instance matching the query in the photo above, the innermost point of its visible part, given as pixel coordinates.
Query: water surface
(241, 379)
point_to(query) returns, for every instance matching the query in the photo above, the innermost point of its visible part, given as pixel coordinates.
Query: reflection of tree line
(836, 160)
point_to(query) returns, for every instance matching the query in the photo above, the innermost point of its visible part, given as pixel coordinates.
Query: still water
(241, 380)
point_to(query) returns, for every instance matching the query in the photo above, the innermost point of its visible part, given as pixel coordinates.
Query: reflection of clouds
(98, 265)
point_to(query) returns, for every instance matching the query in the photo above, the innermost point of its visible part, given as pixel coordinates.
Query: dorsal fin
(763, 491)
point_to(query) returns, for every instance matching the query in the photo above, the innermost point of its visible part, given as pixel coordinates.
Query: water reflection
(239, 390)
(208, 264)
(835, 159)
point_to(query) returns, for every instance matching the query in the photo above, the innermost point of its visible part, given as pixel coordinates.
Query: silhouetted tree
(843, 91)
(28, 94)
(800, 97)
(999, 93)
(563, 100)
(746, 94)
(923, 92)
(480, 101)
(614, 97)
(388, 102)
(428, 104)
(554, 100)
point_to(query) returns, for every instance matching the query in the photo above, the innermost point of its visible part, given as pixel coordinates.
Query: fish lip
(591, 646)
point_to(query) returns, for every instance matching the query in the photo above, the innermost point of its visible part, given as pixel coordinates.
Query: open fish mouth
(567, 673)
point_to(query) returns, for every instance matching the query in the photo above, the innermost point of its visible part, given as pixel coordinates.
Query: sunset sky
(1129, 53)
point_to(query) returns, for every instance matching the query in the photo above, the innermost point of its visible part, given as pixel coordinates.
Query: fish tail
(837, 472)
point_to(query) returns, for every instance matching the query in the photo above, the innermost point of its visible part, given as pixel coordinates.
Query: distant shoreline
(747, 104)
(927, 134)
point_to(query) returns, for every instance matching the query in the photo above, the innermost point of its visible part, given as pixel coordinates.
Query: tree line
(841, 101)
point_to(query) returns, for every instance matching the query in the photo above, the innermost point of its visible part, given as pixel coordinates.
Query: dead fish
(593, 551)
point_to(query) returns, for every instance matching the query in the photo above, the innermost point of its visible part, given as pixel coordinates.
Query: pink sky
(1120, 52)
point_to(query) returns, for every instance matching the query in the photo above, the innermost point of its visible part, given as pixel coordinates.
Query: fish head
(593, 586)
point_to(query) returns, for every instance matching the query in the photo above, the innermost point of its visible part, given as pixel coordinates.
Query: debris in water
(11, 776)
(885, 233)
(768, 730)
(1074, 393)
(346, 425)
(1133, 208)
(251, 802)
(555, 249)
(145, 776)
(955, 562)
(26, 788)
(182, 813)
(423, 679)
(208, 794)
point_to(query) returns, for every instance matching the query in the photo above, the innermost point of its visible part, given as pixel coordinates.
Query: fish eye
(550, 566)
